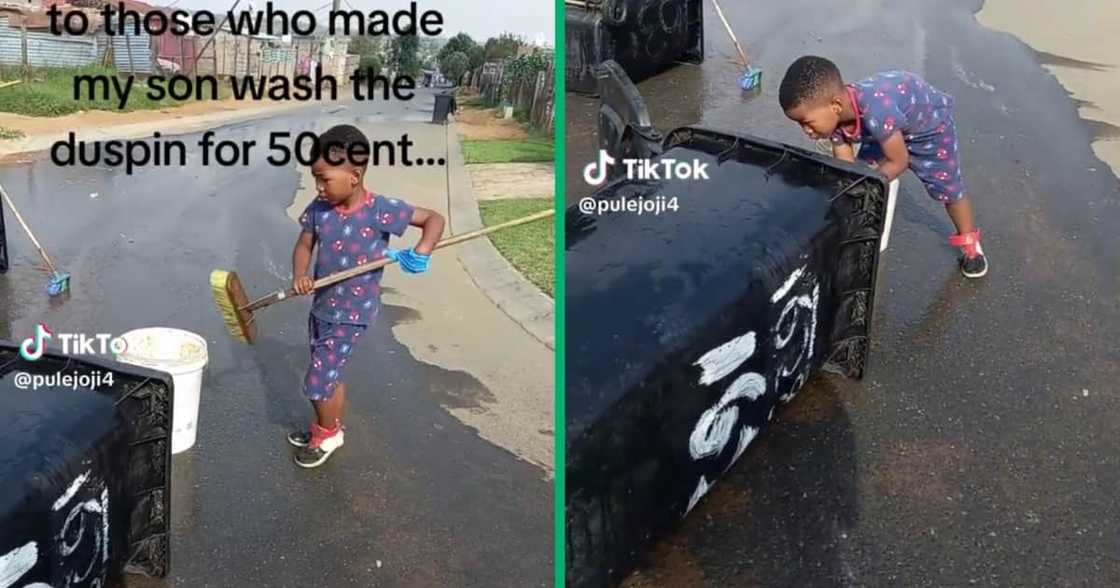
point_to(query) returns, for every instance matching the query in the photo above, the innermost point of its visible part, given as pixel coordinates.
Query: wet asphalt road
(982, 448)
(415, 498)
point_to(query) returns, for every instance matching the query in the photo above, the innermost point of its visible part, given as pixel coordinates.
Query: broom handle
(279, 295)
(738, 47)
(27, 229)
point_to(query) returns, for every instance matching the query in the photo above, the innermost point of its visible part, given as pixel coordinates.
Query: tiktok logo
(596, 173)
(39, 342)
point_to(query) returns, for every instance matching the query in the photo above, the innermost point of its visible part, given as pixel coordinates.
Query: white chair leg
(892, 195)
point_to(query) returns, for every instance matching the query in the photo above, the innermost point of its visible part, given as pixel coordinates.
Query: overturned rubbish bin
(687, 328)
(644, 36)
(445, 106)
(86, 462)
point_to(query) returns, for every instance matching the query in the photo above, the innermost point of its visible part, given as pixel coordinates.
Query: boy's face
(818, 118)
(335, 183)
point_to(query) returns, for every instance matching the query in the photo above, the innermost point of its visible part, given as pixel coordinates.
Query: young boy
(351, 226)
(901, 122)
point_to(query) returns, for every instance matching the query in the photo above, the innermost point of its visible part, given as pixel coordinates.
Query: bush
(368, 62)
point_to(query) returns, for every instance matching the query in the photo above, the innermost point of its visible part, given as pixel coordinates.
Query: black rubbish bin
(644, 36)
(445, 105)
(87, 472)
(695, 320)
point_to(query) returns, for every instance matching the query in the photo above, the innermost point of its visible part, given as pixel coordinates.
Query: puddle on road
(1045, 58)
(453, 389)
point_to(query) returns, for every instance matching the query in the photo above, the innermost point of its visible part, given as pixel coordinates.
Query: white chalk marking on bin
(746, 435)
(790, 281)
(17, 562)
(71, 491)
(720, 362)
(701, 490)
(713, 430)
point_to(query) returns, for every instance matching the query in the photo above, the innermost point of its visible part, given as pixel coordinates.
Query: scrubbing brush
(752, 76)
(237, 311)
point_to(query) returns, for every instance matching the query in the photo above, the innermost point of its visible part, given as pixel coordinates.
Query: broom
(60, 281)
(237, 311)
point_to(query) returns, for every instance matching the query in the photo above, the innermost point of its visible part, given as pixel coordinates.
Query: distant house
(222, 53)
(43, 48)
(130, 53)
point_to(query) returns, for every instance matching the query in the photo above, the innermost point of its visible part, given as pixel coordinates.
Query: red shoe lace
(968, 242)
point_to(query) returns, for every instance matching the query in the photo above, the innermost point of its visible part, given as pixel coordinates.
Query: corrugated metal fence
(131, 53)
(45, 49)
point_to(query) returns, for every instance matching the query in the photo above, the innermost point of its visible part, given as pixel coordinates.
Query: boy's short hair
(808, 78)
(347, 142)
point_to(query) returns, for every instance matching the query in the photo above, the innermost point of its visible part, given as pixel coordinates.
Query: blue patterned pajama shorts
(331, 346)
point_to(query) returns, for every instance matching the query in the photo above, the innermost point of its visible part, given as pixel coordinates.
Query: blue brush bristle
(751, 78)
(60, 282)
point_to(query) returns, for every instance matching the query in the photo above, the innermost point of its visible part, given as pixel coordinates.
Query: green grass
(530, 247)
(51, 93)
(508, 150)
(6, 133)
(478, 102)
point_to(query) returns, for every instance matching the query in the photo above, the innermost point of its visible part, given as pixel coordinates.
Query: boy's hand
(409, 260)
(303, 285)
(844, 151)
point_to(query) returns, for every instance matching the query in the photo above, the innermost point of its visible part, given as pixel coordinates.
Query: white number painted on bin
(793, 359)
(87, 518)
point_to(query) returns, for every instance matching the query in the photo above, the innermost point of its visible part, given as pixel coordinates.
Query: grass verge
(529, 248)
(508, 150)
(51, 93)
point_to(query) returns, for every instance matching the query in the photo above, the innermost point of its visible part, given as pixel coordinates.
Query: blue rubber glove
(409, 260)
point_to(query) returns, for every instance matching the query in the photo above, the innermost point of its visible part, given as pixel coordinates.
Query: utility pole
(335, 7)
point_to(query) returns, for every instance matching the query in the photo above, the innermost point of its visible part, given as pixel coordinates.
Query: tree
(370, 62)
(503, 47)
(477, 56)
(454, 66)
(404, 55)
(365, 45)
(461, 43)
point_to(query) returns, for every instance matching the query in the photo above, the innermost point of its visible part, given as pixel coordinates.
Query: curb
(516, 296)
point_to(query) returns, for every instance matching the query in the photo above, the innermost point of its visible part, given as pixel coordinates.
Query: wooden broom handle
(27, 230)
(739, 48)
(380, 263)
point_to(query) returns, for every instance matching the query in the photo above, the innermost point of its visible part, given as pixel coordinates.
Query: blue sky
(531, 19)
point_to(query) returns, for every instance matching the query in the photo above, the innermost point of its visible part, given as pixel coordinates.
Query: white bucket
(181, 354)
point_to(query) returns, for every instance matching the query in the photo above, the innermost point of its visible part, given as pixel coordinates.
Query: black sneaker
(300, 438)
(316, 454)
(976, 266)
(973, 262)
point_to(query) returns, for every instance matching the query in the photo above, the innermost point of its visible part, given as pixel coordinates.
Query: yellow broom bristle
(219, 285)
